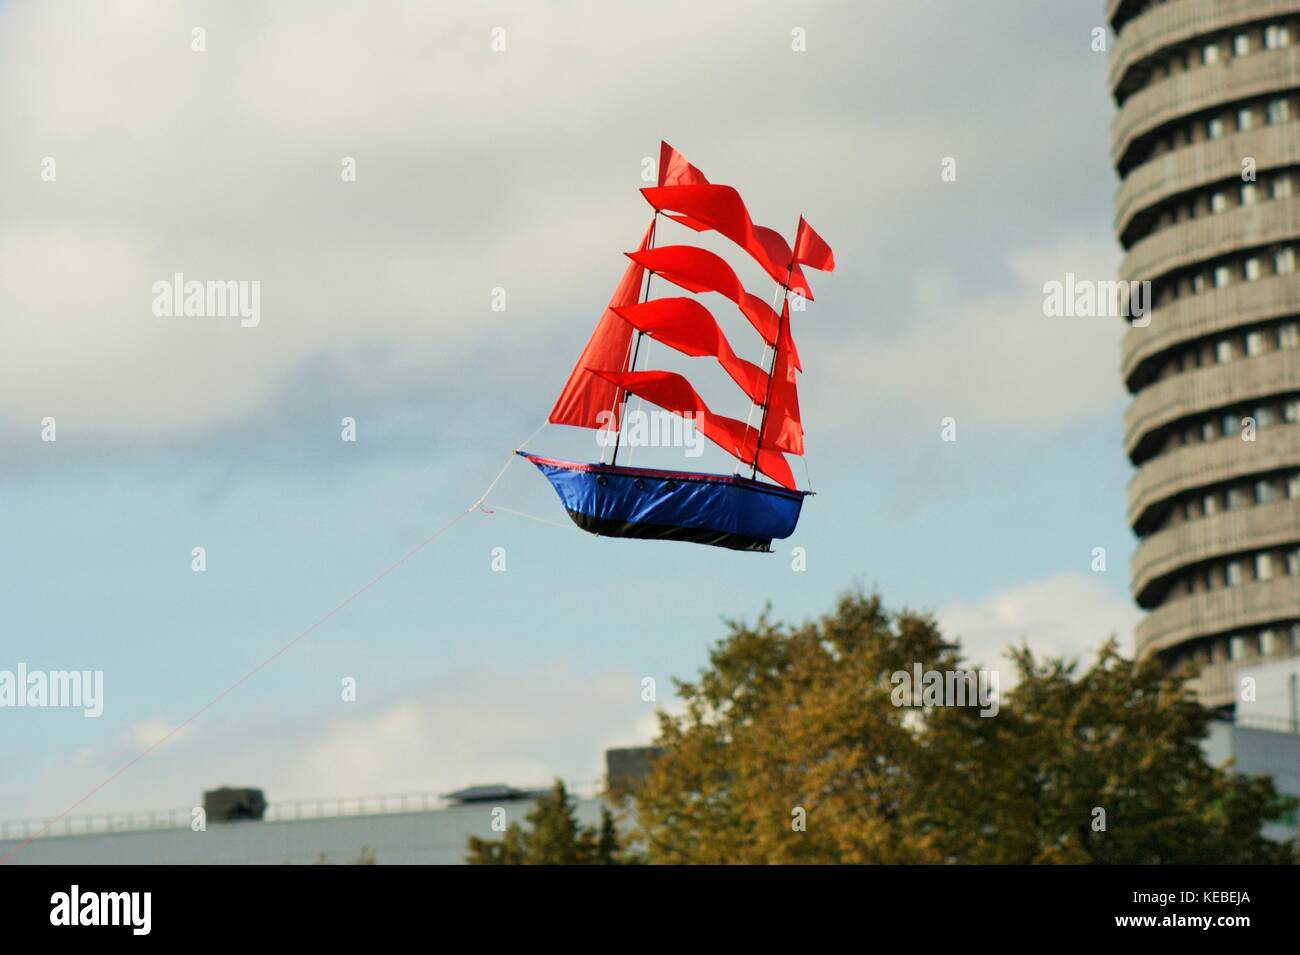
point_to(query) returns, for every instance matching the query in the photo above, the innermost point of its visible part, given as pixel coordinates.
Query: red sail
(698, 270)
(811, 249)
(585, 395)
(674, 393)
(686, 325)
(775, 466)
(721, 209)
(782, 427)
(674, 170)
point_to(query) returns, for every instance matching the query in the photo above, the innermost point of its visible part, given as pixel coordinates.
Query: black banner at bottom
(335, 904)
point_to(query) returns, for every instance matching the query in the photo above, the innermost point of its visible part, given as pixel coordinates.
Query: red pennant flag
(765, 245)
(721, 209)
(811, 250)
(674, 170)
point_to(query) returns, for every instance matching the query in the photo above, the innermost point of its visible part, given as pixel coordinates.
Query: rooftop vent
(497, 792)
(228, 804)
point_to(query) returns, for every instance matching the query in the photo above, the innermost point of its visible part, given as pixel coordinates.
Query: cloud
(979, 354)
(520, 727)
(154, 732)
(475, 170)
(1069, 614)
(517, 170)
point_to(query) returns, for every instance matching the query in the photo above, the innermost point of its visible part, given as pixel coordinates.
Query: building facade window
(1265, 492)
(1235, 331)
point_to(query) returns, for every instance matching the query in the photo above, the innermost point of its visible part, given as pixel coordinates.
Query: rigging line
(489, 509)
(506, 467)
(274, 656)
(776, 349)
(776, 297)
(614, 415)
(645, 296)
(631, 448)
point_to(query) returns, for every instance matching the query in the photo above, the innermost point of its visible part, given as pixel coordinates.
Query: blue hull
(716, 509)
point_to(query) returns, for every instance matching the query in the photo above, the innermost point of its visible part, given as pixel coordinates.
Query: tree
(791, 748)
(552, 837)
(608, 845)
(365, 857)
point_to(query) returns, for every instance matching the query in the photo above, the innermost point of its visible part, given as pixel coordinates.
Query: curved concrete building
(1207, 147)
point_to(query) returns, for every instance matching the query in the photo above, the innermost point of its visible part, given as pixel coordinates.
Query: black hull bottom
(718, 510)
(609, 527)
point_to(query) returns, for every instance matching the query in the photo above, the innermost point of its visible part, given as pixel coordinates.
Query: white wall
(436, 837)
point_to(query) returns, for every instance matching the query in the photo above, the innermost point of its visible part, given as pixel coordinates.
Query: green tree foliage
(365, 857)
(785, 719)
(552, 837)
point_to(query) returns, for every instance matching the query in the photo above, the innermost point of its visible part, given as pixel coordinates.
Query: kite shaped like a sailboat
(726, 510)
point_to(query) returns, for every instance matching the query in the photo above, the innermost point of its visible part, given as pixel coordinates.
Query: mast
(636, 349)
(776, 354)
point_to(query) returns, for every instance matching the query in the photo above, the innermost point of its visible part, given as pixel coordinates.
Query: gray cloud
(516, 169)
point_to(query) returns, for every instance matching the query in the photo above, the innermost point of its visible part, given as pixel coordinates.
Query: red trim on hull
(668, 475)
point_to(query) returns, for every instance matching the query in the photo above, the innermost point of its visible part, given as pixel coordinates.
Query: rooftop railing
(277, 811)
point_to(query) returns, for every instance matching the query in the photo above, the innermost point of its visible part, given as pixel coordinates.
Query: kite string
(494, 507)
(482, 505)
(49, 823)
(506, 467)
